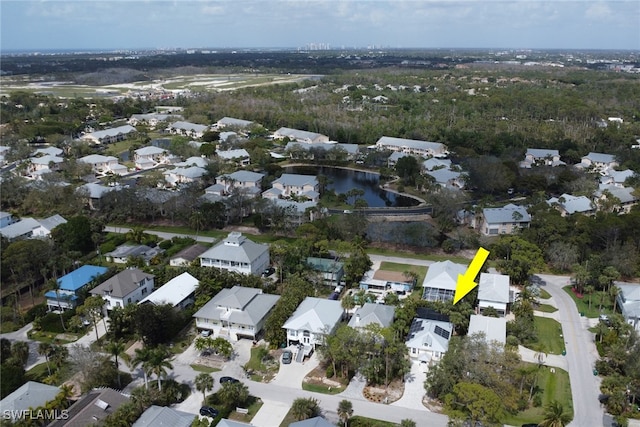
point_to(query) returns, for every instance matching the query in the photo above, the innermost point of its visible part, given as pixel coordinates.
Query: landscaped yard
(544, 294)
(205, 369)
(549, 333)
(594, 311)
(553, 386)
(262, 366)
(546, 308)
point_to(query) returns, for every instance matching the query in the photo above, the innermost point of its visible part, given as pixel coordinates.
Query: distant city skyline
(336, 24)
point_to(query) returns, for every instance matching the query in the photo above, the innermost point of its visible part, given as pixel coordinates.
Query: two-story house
(237, 253)
(373, 314)
(65, 297)
(109, 136)
(428, 339)
(296, 186)
(186, 175)
(239, 156)
(629, 302)
(568, 204)
(600, 162)
(330, 271)
(246, 181)
(441, 280)
(178, 292)
(103, 164)
(148, 157)
(493, 291)
(412, 146)
(127, 287)
(236, 313)
(313, 319)
(504, 220)
(300, 135)
(541, 157)
(191, 130)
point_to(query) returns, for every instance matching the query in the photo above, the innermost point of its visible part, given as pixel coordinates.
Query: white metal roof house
(441, 280)
(289, 185)
(237, 253)
(624, 195)
(568, 204)
(493, 328)
(109, 136)
(179, 292)
(241, 179)
(99, 163)
(493, 291)
(184, 175)
(28, 228)
(300, 135)
(232, 122)
(238, 155)
(447, 178)
(191, 130)
(435, 163)
(193, 161)
(313, 318)
(148, 157)
(412, 146)
(371, 313)
(504, 220)
(541, 157)
(159, 416)
(127, 287)
(235, 313)
(123, 253)
(629, 302)
(599, 161)
(428, 339)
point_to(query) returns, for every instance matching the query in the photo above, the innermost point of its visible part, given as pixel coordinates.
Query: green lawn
(553, 386)
(420, 270)
(39, 372)
(546, 308)
(544, 294)
(205, 369)
(594, 311)
(324, 389)
(549, 339)
(253, 408)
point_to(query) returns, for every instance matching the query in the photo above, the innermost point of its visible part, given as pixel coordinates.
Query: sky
(124, 24)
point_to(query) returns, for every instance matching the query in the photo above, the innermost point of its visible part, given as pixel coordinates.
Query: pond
(343, 180)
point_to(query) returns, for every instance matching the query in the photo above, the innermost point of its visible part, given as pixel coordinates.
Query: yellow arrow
(465, 282)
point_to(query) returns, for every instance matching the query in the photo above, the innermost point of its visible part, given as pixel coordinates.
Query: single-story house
(312, 422)
(629, 302)
(237, 253)
(434, 163)
(493, 291)
(179, 292)
(312, 320)
(127, 287)
(193, 161)
(300, 135)
(235, 313)
(160, 416)
(109, 136)
(191, 130)
(65, 297)
(187, 255)
(493, 328)
(428, 339)
(50, 151)
(94, 192)
(29, 395)
(92, 408)
(568, 204)
(371, 313)
(441, 280)
(6, 219)
(624, 195)
(238, 155)
(412, 146)
(504, 220)
(28, 228)
(332, 271)
(123, 253)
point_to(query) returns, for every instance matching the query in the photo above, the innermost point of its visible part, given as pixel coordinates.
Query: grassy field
(546, 308)
(324, 389)
(549, 336)
(205, 369)
(583, 303)
(553, 386)
(544, 294)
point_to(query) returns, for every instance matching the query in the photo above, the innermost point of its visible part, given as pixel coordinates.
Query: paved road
(161, 234)
(581, 354)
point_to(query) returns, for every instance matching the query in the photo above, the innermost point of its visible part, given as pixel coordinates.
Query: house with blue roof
(69, 285)
(504, 220)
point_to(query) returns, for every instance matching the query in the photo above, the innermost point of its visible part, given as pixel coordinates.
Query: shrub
(35, 312)
(165, 244)
(329, 372)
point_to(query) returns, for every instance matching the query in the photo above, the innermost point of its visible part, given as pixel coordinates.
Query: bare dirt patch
(389, 394)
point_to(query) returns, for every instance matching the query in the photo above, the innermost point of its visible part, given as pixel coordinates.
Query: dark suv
(228, 380)
(287, 356)
(208, 411)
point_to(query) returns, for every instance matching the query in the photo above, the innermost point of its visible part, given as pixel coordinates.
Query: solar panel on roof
(416, 326)
(442, 332)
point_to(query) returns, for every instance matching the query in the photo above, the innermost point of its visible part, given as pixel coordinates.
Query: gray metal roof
(624, 194)
(92, 408)
(122, 284)
(242, 176)
(424, 334)
(573, 204)
(111, 132)
(97, 158)
(369, 313)
(600, 157)
(316, 315)
(298, 134)
(230, 121)
(493, 328)
(52, 222)
(188, 126)
(29, 395)
(242, 305)
(312, 422)
(493, 287)
(443, 275)
(541, 153)
(238, 153)
(161, 416)
(236, 247)
(20, 228)
(410, 143)
(296, 180)
(506, 214)
(190, 253)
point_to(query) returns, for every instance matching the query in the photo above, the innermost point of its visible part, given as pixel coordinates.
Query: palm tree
(20, 352)
(345, 410)
(46, 349)
(614, 291)
(589, 290)
(142, 358)
(115, 349)
(601, 330)
(554, 415)
(204, 382)
(233, 394)
(305, 408)
(158, 364)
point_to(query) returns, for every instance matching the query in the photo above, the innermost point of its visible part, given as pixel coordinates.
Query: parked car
(287, 357)
(269, 271)
(205, 333)
(208, 411)
(228, 380)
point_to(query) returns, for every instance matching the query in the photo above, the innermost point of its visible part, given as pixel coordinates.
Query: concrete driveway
(413, 388)
(291, 375)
